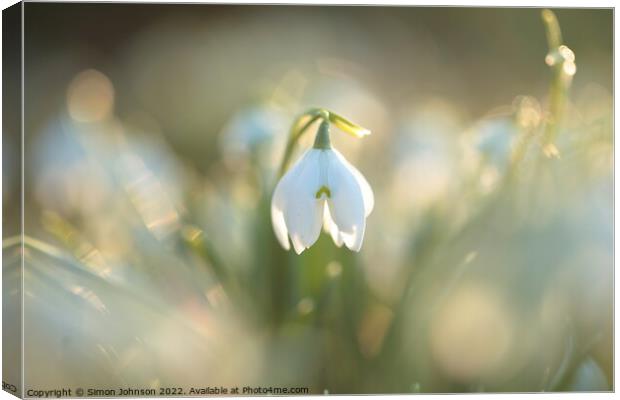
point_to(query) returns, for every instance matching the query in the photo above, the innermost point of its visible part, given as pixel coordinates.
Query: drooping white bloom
(321, 190)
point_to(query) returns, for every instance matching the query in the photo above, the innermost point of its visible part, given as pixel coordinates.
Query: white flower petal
(330, 227)
(303, 212)
(306, 224)
(369, 198)
(279, 227)
(341, 210)
(354, 241)
(297, 244)
(346, 204)
(285, 186)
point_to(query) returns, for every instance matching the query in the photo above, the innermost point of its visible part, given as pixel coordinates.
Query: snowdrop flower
(322, 189)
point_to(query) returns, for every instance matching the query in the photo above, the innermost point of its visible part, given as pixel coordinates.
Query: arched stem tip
(322, 140)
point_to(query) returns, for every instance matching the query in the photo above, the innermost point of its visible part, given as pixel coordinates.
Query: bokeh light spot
(471, 333)
(90, 96)
(334, 269)
(305, 306)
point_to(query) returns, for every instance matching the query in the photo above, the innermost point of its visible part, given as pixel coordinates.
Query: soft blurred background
(153, 137)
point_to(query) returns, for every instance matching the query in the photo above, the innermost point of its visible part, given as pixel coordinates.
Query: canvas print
(204, 200)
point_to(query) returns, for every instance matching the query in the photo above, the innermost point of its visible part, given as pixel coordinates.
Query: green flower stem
(297, 130)
(557, 58)
(295, 133)
(554, 34)
(558, 92)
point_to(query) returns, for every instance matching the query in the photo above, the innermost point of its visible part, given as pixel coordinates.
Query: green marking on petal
(323, 189)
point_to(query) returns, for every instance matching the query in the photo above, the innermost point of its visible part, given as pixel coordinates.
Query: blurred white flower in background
(321, 189)
(588, 378)
(494, 140)
(425, 153)
(252, 130)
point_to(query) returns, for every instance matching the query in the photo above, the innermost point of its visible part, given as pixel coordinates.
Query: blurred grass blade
(81, 248)
(196, 240)
(554, 34)
(561, 60)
